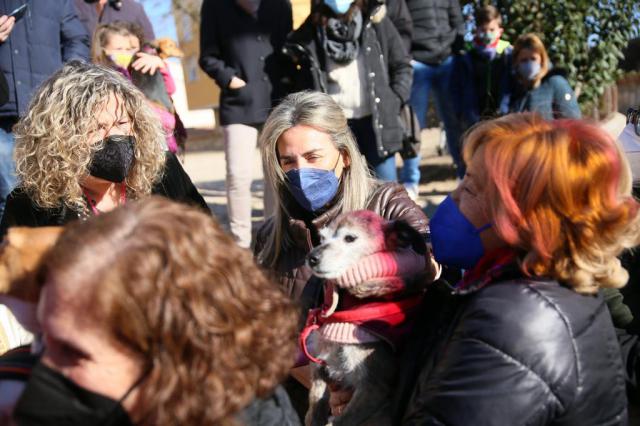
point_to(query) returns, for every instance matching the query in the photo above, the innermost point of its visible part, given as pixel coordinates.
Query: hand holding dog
(147, 64)
(6, 25)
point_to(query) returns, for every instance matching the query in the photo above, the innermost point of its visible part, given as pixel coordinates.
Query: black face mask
(52, 399)
(114, 161)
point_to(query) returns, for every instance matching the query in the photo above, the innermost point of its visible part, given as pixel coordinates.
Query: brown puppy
(22, 250)
(167, 48)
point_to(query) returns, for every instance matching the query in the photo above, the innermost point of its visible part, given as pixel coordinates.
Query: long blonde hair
(320, 111)
(52, 151)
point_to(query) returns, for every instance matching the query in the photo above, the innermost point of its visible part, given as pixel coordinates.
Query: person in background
(107, 145)
(240, 48)
(32, 49)
(95, 12)
(167, 326)
(438, 31)
(117, 45)
(481, 81)
(538, 87)
(398, 13)
(356, 55)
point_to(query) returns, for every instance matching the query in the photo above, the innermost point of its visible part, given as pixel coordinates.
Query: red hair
(561, 192)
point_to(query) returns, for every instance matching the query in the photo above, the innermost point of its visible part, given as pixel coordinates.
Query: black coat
(21, 211)
(234, 43)
(438, 29)
(515, 352)
(398, 13)
(388, 68)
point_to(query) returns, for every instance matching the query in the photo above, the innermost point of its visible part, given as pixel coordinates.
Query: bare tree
(191, 8)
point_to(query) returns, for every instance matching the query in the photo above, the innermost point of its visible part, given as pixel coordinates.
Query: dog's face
(167, 48)
(354, 235)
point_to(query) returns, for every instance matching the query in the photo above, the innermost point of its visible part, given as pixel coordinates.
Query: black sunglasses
(633, 117)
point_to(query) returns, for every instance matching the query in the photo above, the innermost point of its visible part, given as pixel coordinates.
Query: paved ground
(205, 164)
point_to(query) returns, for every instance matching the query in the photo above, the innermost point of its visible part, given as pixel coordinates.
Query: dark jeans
(383, 168)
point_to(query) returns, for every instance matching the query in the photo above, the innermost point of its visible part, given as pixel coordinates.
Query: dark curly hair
(169, 284)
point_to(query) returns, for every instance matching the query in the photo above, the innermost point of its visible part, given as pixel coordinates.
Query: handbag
(410, 133)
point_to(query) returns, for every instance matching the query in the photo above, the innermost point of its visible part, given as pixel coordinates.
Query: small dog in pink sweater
(375, 274)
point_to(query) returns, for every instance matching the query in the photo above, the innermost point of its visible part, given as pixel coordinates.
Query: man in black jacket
(438, 30)
(240, 48)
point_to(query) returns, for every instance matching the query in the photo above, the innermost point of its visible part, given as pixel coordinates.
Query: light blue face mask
(313, 188)
(455, 241)
(339, 6)
(529, 69)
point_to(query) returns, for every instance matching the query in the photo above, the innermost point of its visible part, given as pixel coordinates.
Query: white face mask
(24, 312)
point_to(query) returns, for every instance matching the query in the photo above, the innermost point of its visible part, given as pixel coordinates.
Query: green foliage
(586, 38)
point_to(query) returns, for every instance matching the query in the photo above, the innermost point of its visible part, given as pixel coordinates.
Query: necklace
(93, 204)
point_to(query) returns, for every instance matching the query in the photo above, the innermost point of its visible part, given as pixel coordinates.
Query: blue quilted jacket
(48, 35)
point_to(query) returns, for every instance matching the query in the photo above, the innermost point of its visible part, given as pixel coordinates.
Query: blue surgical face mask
(313, 188)
(456, 242)
(339, 6)
(529, 69)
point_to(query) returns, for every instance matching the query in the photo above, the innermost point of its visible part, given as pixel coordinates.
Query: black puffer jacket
(388, 68)
(438, 29)
(516, 352)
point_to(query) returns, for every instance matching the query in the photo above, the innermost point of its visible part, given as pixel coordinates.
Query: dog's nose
(313, 260)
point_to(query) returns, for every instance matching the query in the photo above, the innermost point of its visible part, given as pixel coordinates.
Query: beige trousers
(240, 143)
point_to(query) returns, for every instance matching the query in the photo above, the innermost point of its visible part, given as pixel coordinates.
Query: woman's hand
(338, 400)
(237, 83)
(6, 25)
(147, 64)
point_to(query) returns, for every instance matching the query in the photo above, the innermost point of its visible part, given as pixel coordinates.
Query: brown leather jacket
(389, 200)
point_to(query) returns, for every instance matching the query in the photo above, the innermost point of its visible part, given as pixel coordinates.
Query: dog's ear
(399, 233)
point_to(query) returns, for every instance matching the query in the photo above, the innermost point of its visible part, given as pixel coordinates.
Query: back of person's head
(101, 38)
(169, 285)
(533, 43)
(53, 140)
(321, 112)
(559, 192)
(486, 14)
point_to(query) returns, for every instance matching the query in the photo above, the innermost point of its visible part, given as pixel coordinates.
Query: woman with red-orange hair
(525, 337)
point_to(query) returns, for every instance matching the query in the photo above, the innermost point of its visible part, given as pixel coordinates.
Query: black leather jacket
(516, 352)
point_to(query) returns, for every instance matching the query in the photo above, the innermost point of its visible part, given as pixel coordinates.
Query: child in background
(118, 45)
(481, 82)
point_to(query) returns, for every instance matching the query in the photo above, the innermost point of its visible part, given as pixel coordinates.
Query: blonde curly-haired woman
(87, 144)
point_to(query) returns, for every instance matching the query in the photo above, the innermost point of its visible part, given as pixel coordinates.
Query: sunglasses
(633, 117)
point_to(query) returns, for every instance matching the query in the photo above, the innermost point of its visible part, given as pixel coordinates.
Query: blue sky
(159, 12)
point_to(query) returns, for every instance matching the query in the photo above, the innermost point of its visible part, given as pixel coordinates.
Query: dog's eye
(350, 238)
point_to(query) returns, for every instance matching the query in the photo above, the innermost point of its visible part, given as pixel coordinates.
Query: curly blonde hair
(52, 152)
(170, 285)
(560, 192)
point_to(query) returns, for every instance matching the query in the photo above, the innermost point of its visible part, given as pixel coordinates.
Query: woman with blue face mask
(313, 165)
(538, 87)
(525, 337)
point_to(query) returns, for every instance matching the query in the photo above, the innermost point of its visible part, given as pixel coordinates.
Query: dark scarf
(340, 40)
